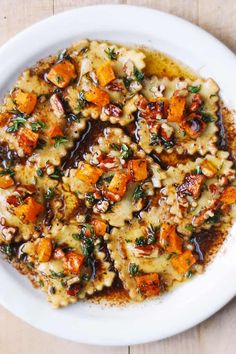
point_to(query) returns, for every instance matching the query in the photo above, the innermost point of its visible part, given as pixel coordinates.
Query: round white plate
(195, 300)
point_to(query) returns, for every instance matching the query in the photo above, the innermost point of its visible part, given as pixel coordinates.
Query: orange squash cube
(105, 73)
(229, 195)
(62, 73)
(55, 131)
(177, 106)
(169, 240)
(44, 249)
(100, 227)
(74, 262)
(29, 210)
(5, 118)
(88, 174)
(183, 262)
(118, 183)
(208, 169)
(6, 182)
(27, 140)
(97, 96)
(148, 284)
(25, 101)
(138, 169)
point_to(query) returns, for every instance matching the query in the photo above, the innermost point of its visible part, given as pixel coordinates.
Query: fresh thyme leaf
(16, 124)
(59, 79)
(189, 274)
(57, 173)
(194, 89)
(133, 269)
(58, 275)
(111, 53)
(190, 227)
(127, 82)
(49, 194)
(7, 250)
(149, 240)
(7, 171)
(141, 241)
(90, 198)
(39, 172)
(198, 170)
(36, 126)
(126, 152)
(138, 193)
(214, 219)
(72, 118)
(115, 147)
(154, 139)
(139, 75)
(207, 117)
(59, 140)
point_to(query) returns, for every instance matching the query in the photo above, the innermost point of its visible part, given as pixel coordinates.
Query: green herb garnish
(138, 193)
(36, 126)
(39, 172)
(81, 101)
(16, 124)
(7, 250)
(41, 143)
(115, 147)
(7, 171)
(139, 75)
(59, 79)
(215, 218)
(194, 89)
(126, 152)
(57, 173)
(49, 194)
(58, 275)
(207, 117)
(90, 198)
(111, 53)
(133, 269)
(59, 140)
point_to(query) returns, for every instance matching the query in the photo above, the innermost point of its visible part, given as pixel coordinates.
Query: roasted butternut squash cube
(27, 140)
(88, 174)
(169, 240)
(5, 118)
(74, 262)
(100, 227)
(208, 169)
(62, 73)
(177, 106)
(29, 210)
(148, 284)
(138, 169)
(183, 262)
(25, 101)
(44, 249)
(229, 195)
(55, 131)
(105, 73)
(118, 183)
(6, 182)
(97, 96)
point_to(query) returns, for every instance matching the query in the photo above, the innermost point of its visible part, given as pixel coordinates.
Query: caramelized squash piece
(25, 101)
(88, 174)
(194, 127)
(192, 185)
(105, 73)
(148, 284)
(44, 249)
(100, 227)
(183, 262)
(55, 131)
(6, 182)
(97, 96)
(169, 240)
(208, 169)
(229, 195)
(74, 262)
(118, 183)
(62, 73)
(27, 140)
(138, 169)
(177, 106)
(29, 210)
(5, 118)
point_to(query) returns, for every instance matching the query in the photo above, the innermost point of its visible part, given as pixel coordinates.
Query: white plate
(195, 300)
